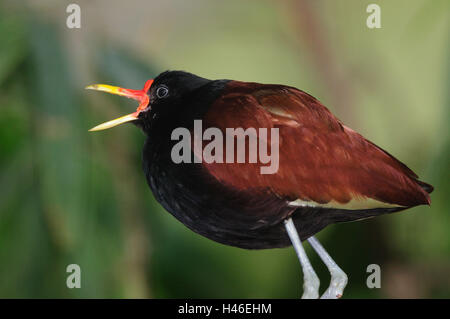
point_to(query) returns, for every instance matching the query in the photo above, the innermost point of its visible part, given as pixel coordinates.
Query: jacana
(325, 172)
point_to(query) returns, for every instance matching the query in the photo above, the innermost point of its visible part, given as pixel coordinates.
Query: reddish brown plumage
(321, 159)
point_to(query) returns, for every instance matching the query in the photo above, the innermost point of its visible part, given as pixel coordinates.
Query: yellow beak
(115, 122)
(139, 95)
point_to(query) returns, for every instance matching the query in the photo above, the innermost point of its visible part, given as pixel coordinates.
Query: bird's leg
(338, 277)
(310, 280)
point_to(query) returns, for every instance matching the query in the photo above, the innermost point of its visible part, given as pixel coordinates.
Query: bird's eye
(162, 92)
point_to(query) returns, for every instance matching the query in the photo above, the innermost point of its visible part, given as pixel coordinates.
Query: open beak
(139, 95)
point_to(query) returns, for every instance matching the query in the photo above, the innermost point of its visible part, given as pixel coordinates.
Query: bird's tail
(425, 186)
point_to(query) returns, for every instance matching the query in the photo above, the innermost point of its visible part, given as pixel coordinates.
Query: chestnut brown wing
(321, 161)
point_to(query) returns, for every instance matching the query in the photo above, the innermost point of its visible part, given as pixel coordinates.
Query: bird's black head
(168, 94)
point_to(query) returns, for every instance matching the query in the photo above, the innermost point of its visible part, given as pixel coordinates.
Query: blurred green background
(69, 196)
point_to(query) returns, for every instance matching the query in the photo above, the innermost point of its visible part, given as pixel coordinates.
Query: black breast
(251, 219)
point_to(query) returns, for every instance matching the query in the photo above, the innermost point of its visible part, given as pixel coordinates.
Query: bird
(323, 172)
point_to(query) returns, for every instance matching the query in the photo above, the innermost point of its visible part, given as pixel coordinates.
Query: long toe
(311, 287)
(337, 285)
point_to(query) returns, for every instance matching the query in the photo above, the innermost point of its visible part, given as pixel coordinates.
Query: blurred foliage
(72, 197)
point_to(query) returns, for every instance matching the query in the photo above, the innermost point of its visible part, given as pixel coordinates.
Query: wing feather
(321, 161)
